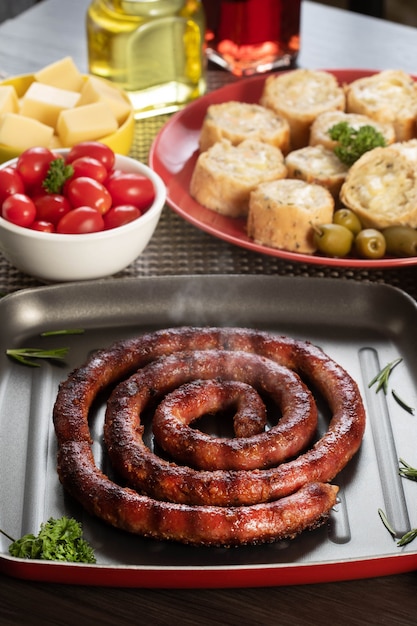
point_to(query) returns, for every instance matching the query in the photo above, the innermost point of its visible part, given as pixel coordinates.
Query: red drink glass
(252, 36)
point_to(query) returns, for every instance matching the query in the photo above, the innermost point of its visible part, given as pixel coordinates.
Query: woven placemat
(178, 247)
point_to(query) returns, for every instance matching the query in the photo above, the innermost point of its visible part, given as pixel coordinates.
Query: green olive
(347, 218)
(333, 240)
(370, 244)
(401, 240)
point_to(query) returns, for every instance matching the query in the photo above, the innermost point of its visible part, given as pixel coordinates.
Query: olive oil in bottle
(153, 49)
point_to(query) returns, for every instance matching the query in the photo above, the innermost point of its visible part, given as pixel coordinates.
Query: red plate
(173, 155)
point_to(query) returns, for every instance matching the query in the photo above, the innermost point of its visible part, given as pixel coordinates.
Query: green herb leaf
(406, 538)
(407, 471)
(26, 355)
(386, 523)
(401, 402)
(56, 176)
(68, 331)
(58, 540)
(353, 143)
(382, 377)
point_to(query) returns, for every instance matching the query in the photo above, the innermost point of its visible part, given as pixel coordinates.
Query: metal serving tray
(362, 326)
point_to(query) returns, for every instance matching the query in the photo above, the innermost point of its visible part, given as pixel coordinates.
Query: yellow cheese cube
(9, 102)
(95, 90)
(22, 132)
(44, 102)
(63, 73)
(86, 123)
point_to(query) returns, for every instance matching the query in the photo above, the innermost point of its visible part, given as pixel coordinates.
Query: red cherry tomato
(51, 207)
(92, 168)
(19, 209)
(33, 165)
(80, 221)
(42, 226)
(85, 191)
(10, 183)
(120, 215)
(131, 188)
(93, 149)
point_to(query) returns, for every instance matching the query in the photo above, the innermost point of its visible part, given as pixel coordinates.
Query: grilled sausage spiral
(232, 500)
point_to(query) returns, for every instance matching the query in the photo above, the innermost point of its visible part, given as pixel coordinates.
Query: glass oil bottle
(153, 49)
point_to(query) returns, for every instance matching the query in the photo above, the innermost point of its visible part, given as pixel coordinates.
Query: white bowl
(54, 257)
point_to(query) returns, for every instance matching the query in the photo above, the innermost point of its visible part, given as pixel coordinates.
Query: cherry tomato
(81, 220)
(43, 226)
(51, 207)
(120, 215)
(87, 166)
(10, 183)
(33, 165)
(93, 149)
(19, 209)
(85, 191)
(130, 188)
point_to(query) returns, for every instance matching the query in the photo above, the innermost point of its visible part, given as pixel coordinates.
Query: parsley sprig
(58, 540)
(57, 174)
(354, 142)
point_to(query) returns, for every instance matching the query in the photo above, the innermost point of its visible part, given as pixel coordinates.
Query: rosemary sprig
(64, 331)
(26, 355)
(407, 471)
(401, 402)
(386, 523)
(382, 377)
(408, 537)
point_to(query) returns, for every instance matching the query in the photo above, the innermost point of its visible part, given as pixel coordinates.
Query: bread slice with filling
(389, 96)
(319, 132)
(282, 214)
(381, 187)
(317, 164)
(237, 121)
(300, 96)
(224, 175)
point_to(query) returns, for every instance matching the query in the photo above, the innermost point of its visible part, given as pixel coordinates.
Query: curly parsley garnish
(57, 174)
(353, 143)
(58, 540)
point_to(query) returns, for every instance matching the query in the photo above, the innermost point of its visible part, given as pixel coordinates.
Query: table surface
(331, 38)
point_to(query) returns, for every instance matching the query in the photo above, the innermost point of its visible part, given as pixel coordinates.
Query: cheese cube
(9, 102)
(63, 73)
(96, 90)
(22, 132)
(89, 122)
(44, 102)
